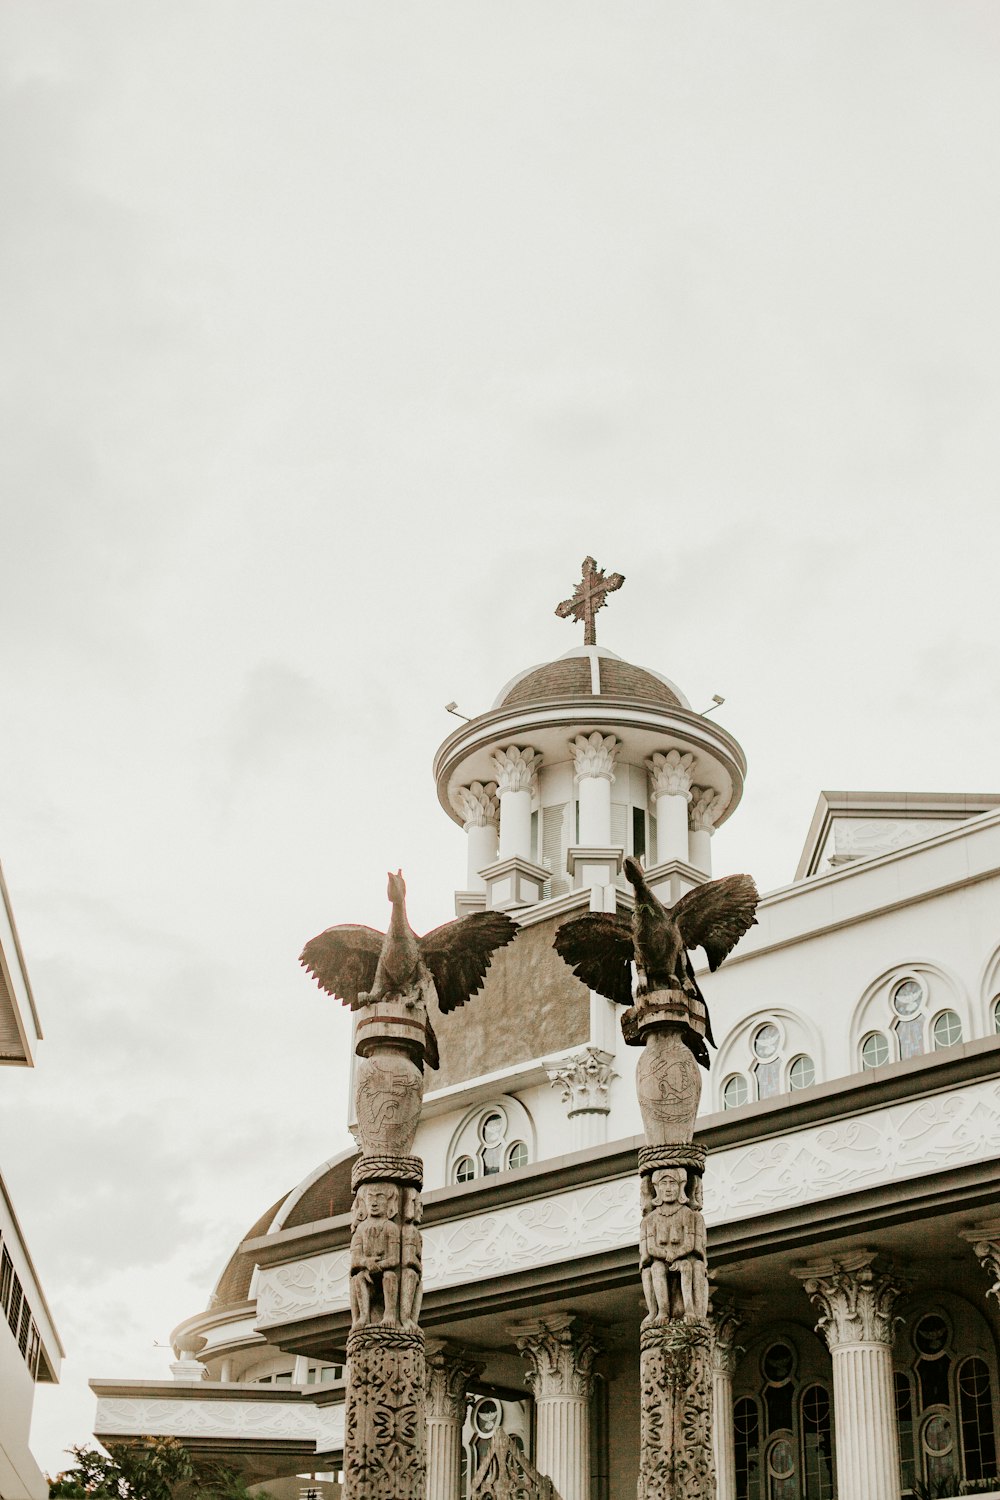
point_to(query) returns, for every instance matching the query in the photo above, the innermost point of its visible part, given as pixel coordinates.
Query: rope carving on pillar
(390, 979)
(668, 1018)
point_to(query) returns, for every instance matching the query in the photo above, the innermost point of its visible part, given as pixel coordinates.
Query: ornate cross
(588, 597)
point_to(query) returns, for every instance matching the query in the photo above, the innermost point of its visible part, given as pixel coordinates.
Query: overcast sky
(334, 335)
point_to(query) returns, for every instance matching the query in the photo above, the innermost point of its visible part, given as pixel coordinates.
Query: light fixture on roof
(452, 708)
(717, 702)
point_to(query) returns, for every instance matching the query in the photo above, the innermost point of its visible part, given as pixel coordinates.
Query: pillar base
(384, 1431)
(589, 865)
(675, 1385)
(514, 881)
(466, 902)
(672, 879)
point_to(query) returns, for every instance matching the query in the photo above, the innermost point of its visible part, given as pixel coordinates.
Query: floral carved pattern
(384, 1451)
(855, 1297)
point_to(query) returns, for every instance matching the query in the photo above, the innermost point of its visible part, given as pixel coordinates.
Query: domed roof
(589, 671)
(322, 1195)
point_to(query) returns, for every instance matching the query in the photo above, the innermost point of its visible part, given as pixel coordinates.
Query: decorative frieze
(584, 1081)
(594, 755)
(670, 773)
(516, 770)
(856, 1297)
(985, 1241)
(477, 804)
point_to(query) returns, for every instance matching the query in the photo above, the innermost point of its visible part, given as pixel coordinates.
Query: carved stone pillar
(480, 812)
(384, 1423)
(449, 1371)
(856, 1297)
(594, 758)
(985, 1241)
(560, 1351)
(584, 1081)
(703, 813)
(675, 1373)
(727, 1321)
(516, 772)
(670, 776)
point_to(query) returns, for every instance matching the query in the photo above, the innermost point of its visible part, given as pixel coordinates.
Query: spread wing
(458, 954)
(343, 961)
(598, 948)
(432, 1058)
(716, 915)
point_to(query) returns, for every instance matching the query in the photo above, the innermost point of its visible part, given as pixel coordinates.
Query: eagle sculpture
(361, 966)
(602, 947)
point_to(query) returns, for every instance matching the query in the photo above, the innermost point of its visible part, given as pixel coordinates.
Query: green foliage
(150, 1469)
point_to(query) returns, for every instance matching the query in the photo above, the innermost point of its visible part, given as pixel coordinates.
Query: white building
(30, 1350)
(852, 1117)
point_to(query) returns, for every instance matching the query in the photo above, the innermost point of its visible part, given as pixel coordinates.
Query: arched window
(947, 1030)
(746, 1434)
(874, 1050)
(492, 1140)
(465, 1169)
(975, 1409)
(904, 1426)
(817, 1443)
(907, 1000)
(517, 1156)
(735, 1092)
(996, 1015)
(766, 1046)
(802, 1072)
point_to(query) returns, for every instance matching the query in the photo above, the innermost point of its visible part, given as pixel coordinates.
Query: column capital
(670, 773)
(707, 805)
(856, 1296)
(560, 1351)
(584, 1081)
(985, 1241)
(449, 1370)
(595, 755)
(516, 769)
(727, 1318)
(477, 803)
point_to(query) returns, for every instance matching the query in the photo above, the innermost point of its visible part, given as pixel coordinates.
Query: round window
(766, 1042)
(802, 1073)
(996, 1015)
(486, 1418)
(517, 1156)
(937, 1435)
(465, 1169)
(931, 1335)
(492, 1128)
(735, 1092)
(947, 1030)
(907, 998)
(778, 1364)
(874, 1050)
(780, 1460)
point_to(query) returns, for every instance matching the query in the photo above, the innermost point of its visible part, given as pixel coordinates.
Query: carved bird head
(634, 872)
(397, 887)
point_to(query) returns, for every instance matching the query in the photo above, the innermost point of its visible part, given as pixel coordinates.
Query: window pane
(911, 1037)
(465, 1169)
(996, 1016)
(735, 1092)
(766, 1042)
(976, 1411)
(947, 1030)
(907, 998)
(802, 1073)
(639, 833)
(746, 1435)
(817, 1443)
(518, 1155)
(874, 1050)
(904, 1426)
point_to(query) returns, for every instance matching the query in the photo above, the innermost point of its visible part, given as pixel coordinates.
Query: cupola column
(594, 756)
(704, 810)
(560, 1351)
(449, 1371)
(670, 776)
(856, 1297)
(517, 773)
(480, 812)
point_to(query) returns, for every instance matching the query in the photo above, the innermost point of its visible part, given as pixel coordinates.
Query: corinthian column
(449, 1371)
(726, 1324)
(670, 783)
(584, 1082)
(703, 813)
(480, 812)
(560, 1351)
(856, 1297)
(516, 772)
(985, 1241)
(594, 758)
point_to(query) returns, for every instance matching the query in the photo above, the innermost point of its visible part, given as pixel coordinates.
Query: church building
(851, 1118)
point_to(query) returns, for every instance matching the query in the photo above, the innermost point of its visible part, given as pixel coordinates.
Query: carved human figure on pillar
(411, 1288)
(672, 1249)
(375, 1255)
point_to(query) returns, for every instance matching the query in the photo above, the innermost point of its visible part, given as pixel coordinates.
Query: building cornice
(826, 1103)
